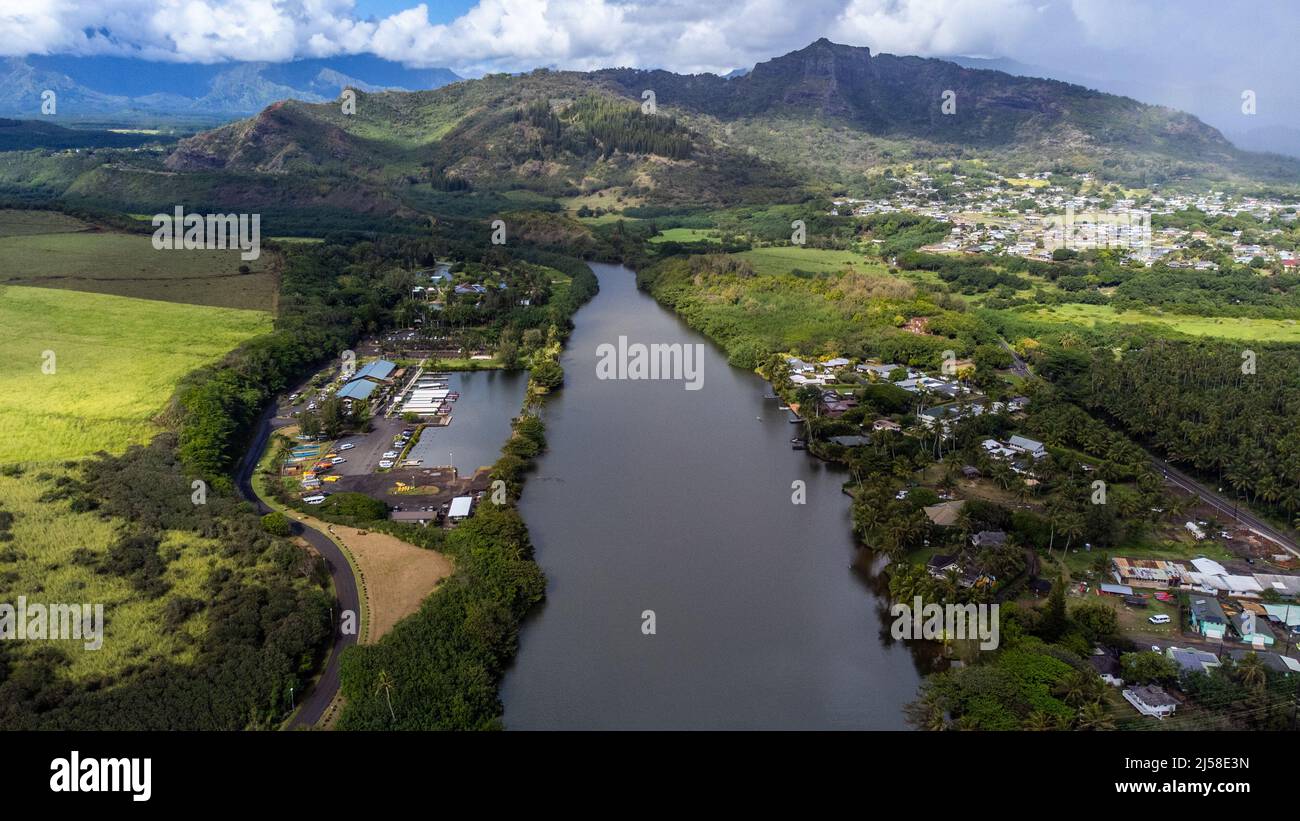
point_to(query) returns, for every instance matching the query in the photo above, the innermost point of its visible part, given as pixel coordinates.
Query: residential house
(1022, 444)
(940, 565)
(1156, 574)
(989, 538)
(851, 441)
(1252, 629)
(879, 371)
(1151, 701)
(1191, 660)
(838, 407)
(1273, 661)
(997, 450)
(1207, 617)
(945, 514)
(1107, 666)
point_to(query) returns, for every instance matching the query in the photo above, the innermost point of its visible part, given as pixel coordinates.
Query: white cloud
(681, 35)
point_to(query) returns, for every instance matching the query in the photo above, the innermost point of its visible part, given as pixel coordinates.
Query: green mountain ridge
(815, 121)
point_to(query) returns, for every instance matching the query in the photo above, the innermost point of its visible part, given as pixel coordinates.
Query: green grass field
(50, 250)
(784, 259)
(1264, 330)
(24, 223)
(116, 364)
(686, 235)
(47, 538)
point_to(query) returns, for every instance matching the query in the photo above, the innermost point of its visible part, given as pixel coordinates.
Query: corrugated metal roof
(379, 369)
(357, 389)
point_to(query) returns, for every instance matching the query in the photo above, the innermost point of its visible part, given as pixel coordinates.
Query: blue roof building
(378, 370)
(357, 389)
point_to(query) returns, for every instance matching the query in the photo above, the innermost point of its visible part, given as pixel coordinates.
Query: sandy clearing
(398, 575)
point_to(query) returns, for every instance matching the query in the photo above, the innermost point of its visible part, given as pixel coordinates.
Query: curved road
(322, 693)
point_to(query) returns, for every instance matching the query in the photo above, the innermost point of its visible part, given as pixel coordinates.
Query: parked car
(338, 460)
(1159, 619)
(348, 446)
(386, 463)
(314, 500)
(390, 454)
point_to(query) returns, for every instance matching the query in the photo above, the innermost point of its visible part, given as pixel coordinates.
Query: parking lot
(369, 448)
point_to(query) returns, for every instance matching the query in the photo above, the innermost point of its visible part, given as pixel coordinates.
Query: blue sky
(440, 11)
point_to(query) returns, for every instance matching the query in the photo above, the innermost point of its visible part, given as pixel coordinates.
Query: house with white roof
(1022, 444)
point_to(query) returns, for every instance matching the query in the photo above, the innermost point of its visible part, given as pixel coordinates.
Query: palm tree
(1039, 721)
(1093, 716)
(384, 684)
(1072, 525)
(1252, 672)
(1079, 688)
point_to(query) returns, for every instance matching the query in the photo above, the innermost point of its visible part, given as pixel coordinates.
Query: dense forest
(1229, 412)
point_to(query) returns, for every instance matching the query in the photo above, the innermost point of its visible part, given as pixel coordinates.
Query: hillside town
(1034, 215)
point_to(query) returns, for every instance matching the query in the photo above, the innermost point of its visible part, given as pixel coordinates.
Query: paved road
(319, 696)
(1018, 365)
(1224, 505)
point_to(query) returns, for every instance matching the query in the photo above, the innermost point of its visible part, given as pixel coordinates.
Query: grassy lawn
(49, 537)
(116, 364)
(466, 364)
(784, 259)
(686, 235)
(1266, 330)
(128, 265)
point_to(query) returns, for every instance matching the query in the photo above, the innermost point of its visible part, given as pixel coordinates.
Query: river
(656, 498)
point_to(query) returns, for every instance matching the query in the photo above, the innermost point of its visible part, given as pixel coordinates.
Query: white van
(314, 500)
(1160, 619)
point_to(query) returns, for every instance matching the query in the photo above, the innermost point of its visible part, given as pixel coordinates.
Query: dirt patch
(399, 576)
(396, 576)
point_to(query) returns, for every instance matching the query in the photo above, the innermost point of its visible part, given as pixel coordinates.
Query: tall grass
(116, 362)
